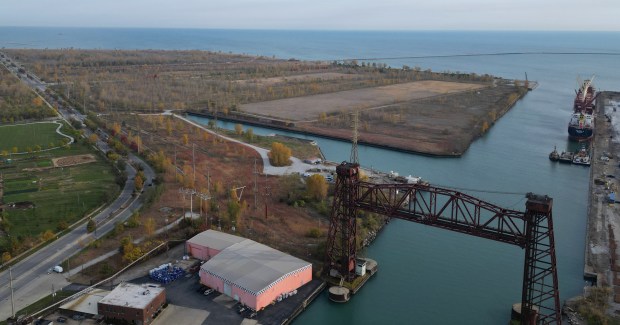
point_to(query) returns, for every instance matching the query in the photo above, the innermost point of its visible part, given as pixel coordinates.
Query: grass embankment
(53, 198)
(43, 303)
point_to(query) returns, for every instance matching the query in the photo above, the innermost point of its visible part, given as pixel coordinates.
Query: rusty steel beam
(444, 208)
(455, 211)
(341, 249)
(540, 301)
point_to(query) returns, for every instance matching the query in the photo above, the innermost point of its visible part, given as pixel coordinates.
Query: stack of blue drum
(166, 273)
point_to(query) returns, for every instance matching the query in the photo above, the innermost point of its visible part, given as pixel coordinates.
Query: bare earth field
(73, 160)
(308, 108)
(321, 76)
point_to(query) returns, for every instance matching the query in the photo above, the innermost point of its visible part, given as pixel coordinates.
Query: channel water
(427, 275)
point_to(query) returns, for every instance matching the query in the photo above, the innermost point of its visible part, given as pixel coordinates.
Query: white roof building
(132, 295)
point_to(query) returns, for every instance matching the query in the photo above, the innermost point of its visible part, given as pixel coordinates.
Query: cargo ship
(581, 125)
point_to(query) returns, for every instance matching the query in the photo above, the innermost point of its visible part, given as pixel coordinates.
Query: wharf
(602, 259)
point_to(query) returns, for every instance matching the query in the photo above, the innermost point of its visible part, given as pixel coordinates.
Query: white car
(57, 269)
(208, 292)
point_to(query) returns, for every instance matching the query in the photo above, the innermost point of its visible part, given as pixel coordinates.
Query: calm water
(430, 276)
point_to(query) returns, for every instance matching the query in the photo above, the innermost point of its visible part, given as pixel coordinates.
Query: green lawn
(29, 135)
(59, 194)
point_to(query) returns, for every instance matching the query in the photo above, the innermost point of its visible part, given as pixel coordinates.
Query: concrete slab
(225, 301)
(181, 315)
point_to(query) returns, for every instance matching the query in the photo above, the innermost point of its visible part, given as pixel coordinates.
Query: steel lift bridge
(448, 209)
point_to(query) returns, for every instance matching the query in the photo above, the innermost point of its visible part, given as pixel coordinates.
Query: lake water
(427, 275)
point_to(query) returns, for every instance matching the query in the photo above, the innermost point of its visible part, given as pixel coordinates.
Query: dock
(602, 259)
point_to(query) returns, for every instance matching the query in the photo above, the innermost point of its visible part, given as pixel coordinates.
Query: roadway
(31, 277)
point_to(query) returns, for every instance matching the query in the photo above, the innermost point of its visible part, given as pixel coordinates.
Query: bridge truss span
(448, 209)
(444, 208)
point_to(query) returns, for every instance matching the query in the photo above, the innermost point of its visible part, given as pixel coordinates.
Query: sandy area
(73, 160)
(308, 108)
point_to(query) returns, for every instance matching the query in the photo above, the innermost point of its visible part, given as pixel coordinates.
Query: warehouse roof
(86, 303)
(132, 295)
(253, 266)
(215, 239)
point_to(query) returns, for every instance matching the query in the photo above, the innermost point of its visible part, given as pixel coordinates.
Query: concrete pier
(602, 260)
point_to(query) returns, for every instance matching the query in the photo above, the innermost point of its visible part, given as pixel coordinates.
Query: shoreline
(269, 125)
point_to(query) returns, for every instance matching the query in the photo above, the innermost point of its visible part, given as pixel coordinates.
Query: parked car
(208, 292)
(61, 319)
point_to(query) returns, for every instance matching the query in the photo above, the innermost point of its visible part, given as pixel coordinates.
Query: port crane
(449, 209)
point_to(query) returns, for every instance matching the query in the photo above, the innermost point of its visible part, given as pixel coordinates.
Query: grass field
(60, 195)
(23, 136)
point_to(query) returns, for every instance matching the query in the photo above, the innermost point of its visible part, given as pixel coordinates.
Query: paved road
(31, 280)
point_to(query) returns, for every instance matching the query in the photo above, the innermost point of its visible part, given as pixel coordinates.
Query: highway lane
(31, 279)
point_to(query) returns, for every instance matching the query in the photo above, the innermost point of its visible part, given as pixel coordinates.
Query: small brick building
(131, 303)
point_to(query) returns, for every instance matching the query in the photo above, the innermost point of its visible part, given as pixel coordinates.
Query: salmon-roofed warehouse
(247, 271)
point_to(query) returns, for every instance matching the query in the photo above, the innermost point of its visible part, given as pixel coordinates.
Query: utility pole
(194, 164)
(255, 186)
(175, 162)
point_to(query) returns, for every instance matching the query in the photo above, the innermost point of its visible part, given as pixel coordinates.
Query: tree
(149, 226)
(185, 139)
(116, 128)
(139, 182)
(316, 187)
(91, 226)
(92, 139)
(6, 256)
(169, 127)
(37, 101)
(280, 154)
(239, 129)
(47, 235)
(249, 135)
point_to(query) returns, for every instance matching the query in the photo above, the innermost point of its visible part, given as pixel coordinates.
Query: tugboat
(582, 157)
(566, 157)
(554, 155)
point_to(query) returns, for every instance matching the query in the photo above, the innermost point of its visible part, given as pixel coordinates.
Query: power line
(481, 191)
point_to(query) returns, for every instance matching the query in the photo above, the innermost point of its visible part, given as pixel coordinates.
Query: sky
(555, 15)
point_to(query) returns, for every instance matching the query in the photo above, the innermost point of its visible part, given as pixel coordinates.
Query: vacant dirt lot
(308, 108)
(73, 160)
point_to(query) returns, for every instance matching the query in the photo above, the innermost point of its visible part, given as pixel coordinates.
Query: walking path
(297, 165)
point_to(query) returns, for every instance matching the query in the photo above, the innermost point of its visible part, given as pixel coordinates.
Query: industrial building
(249, 272)
(132, 303)
(209, 243)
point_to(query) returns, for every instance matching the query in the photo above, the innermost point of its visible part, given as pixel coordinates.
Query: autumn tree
(92, 139)
(279, 155)
(185, 139)
(116, 128)
(139, 182)
(249, 135)
(316, 187)
(37, 101)
(149, 226)
(6, 256)
(239, 129)
(169, 126)
(47, 235)
(91, 226)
